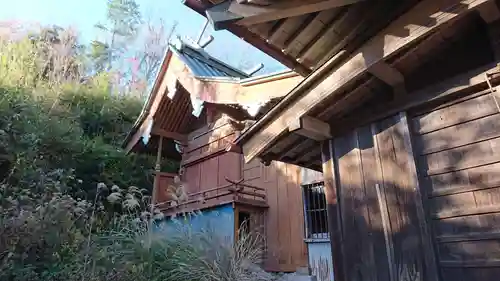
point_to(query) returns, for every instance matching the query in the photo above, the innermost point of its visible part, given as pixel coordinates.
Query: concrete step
(297, 277)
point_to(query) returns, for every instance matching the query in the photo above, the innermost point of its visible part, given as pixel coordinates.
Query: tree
(121, 29)
(59, 54)
(155, 43)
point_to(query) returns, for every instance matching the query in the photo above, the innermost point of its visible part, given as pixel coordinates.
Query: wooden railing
(233, 191)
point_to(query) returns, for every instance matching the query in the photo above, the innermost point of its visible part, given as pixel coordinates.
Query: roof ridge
(188, 47)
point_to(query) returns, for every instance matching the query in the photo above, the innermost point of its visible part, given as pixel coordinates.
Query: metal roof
(203, 64)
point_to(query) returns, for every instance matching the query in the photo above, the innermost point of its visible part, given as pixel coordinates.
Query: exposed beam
(349, 20)
(286, 30)
(389, 75)
(457, 86)
(371, 23)
(491, 15)
(311, 128)
(296, 44)
(249, 14)
(253, 39)
(490, 12)
(421, 20)
(183, 139)
(328, 35)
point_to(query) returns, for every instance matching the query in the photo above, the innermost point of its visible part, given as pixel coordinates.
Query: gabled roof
(201, 63)
(189, 78)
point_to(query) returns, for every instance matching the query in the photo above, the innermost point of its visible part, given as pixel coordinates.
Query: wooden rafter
(490, 12)
(311, 128)
(170, 135)
(422, 19)
(296, 44)
(286, 29)
(249, 14)
(389, 75)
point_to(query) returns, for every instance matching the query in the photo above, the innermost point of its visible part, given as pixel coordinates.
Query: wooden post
(430, 262)
(156, 182)
(333, 210)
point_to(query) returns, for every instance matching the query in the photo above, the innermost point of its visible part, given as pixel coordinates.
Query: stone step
(297, 277)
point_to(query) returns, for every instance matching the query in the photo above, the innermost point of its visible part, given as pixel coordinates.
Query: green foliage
(80, 137)
(63, 213)
(50, 123)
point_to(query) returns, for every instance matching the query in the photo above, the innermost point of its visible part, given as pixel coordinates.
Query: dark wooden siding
(457, 146)
(381, 220)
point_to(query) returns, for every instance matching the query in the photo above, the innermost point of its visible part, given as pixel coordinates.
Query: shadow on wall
(386, 235)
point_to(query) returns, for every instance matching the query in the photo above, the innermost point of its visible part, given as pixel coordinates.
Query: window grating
(315, 214)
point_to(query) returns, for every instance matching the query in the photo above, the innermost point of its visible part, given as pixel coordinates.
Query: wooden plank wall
(165, 179)
(457, 145)
(286, 250)
(206, 165)
(381, 220)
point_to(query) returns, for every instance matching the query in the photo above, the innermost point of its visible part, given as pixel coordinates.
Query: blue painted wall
(320, 259)
(219, 221)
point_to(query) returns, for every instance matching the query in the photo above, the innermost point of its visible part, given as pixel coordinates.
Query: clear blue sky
(83, 14)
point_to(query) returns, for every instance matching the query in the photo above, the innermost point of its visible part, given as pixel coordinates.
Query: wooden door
(380, 233)
(457, 147)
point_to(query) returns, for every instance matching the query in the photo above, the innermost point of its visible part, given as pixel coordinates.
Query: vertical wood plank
(371, 176)
(284, 217)
(399, 189)
(192, 178)
(356, 248)
(382, 202)
(268, 179)
(333, 211)
(296, 217)
(431, 272)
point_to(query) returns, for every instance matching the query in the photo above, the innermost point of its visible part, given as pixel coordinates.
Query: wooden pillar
(490, 13)
(430, 262)
(333, 210)
(156, 183)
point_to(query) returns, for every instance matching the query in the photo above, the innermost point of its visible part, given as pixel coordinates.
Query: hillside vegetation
(73, 205)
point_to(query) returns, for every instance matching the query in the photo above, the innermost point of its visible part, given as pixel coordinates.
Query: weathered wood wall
(380, 221)
(457, 144)
(205, 161)
(206, 166)
(418, 196)
(286, 250)
(164, 180)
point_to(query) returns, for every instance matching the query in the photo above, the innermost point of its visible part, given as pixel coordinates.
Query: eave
(334, 88)
(303, 35)
(253, 39)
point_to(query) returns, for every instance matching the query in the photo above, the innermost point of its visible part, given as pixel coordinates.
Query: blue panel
(219, 221)
(320, 260)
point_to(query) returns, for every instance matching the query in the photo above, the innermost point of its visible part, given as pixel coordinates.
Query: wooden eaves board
(403, 32)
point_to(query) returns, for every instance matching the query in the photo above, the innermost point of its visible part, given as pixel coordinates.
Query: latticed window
(316, 219)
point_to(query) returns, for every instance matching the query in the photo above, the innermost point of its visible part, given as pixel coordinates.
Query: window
(315, 216)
